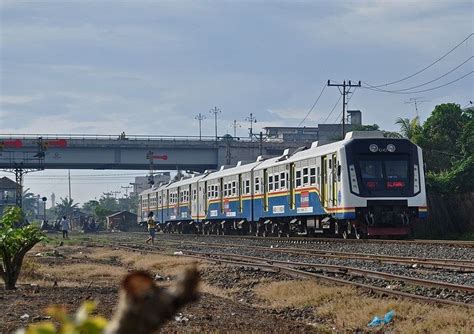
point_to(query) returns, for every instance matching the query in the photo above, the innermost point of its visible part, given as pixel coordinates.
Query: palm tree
(409, 128)
(29, 203)
(65, 207)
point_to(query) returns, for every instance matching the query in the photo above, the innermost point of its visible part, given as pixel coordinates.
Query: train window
(194, 194)
(234, 188)
(257, 185)
(305, 176)
(247, 186)
(282, 180)
(396, 169)
(371, 169)
(312, 176)
(298, 179)
(277, 181)
(270, 183)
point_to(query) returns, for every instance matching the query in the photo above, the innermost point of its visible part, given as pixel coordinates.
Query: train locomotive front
(385, 186)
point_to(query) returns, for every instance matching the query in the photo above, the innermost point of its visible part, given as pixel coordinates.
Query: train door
(265, 190)
(168, 202)
(324, 180)
(221, 193)
(190, 201)
(334, 180)
(239, 189)
(291, 186)
(205, 197)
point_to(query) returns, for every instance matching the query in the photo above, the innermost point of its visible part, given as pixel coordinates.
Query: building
(143, 182)
(323, 133)
(7, 193)
(123, 221)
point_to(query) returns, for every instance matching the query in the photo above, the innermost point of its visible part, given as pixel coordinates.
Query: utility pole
(126, 189)
(252, 120)
(236, 125)
(200, 117)
(416, 101)
(215, 111)
(115, 193)
(69, 181)
(344, 92)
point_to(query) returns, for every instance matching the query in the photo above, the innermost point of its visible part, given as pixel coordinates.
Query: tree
(29, 204)
(66, 207)
(409, 128)
(89, 206)
(441, 136)
(15, 242)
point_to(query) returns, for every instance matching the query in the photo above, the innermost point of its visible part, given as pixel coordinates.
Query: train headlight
(373, 148)
(391, 148)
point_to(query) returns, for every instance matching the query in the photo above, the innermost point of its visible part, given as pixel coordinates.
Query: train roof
(185, 182)
(233, 170)
(287, 157)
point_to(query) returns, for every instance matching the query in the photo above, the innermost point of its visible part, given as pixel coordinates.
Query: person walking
(65, 227)
(151, 228)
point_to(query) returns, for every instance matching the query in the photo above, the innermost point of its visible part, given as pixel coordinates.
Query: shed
(123, 221)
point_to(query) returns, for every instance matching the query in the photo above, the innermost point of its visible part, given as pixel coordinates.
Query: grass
(347, 310)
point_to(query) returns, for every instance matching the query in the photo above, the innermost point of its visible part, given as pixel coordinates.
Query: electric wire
(314, 105)
(427, 67)
(423, 84)
(332, 110)
(418, 91)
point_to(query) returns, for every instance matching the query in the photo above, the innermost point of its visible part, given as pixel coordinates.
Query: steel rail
(286, 268)
(434, 263)
(348, 270)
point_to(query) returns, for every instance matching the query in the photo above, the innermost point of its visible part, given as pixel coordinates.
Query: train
(363, 186)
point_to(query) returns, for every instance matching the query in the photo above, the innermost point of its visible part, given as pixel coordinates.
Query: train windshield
(384, 175)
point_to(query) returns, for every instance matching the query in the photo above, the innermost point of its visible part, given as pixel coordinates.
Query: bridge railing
(119, 137)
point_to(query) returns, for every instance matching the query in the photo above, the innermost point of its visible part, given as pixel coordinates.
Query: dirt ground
(233, 298)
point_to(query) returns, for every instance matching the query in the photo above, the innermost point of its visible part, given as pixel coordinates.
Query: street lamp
(44, 199)
(215, 111)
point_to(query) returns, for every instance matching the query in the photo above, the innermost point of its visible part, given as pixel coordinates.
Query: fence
(448, 216)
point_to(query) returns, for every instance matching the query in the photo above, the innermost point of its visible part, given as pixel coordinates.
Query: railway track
(449, 264)
(466, 266)
(310, 240)
(375, 281)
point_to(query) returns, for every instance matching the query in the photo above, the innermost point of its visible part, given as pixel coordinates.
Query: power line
(418, 91)
(427, 67)
(314, 105)
(332, 110)
(423, 84)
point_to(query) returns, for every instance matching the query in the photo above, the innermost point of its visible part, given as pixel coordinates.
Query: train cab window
(312, 176)
(385, 176)
(298, 179)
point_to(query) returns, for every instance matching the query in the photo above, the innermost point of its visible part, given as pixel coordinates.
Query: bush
(15, 242)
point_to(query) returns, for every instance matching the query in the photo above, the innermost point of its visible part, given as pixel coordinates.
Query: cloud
(18, 99)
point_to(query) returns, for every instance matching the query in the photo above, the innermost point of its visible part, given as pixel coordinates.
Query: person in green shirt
(151, 228)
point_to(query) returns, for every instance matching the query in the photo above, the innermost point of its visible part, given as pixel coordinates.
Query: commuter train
(363, 186)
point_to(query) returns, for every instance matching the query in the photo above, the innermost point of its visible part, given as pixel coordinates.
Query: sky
(149, 67)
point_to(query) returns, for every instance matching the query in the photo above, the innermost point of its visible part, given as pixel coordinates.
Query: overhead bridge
(130, 152)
